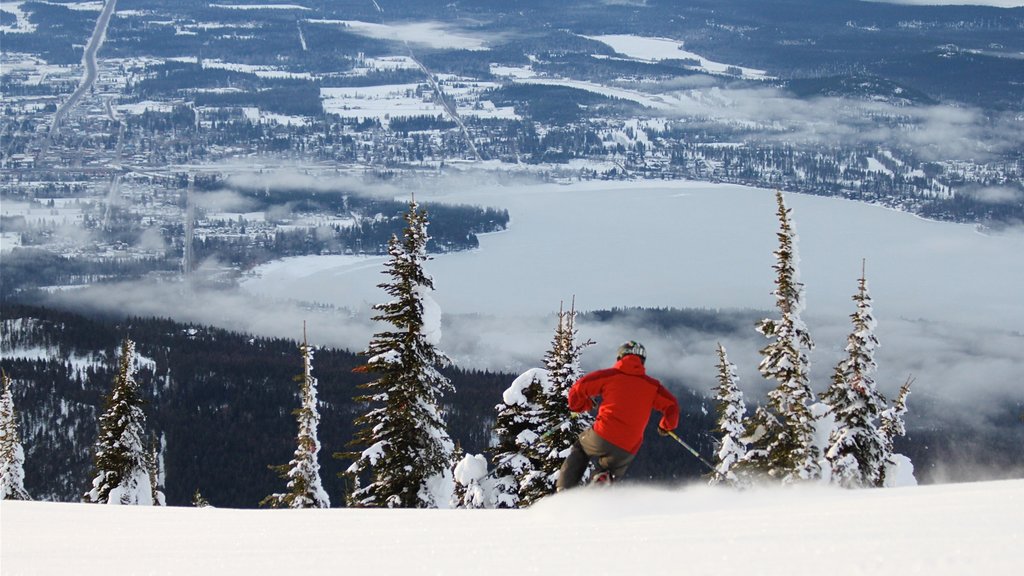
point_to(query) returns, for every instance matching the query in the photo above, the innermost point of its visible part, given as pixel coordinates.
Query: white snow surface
(514, 393)
(950, 529)
(657, 49)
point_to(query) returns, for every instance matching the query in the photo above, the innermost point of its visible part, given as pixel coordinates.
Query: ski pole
(676, 437)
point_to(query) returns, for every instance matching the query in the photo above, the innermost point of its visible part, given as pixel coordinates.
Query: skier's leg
(573, 467)
(618, 463)
(612, 458)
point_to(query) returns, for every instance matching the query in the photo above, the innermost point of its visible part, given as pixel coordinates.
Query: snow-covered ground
(380, 102)
(657, 49)
(952, 529)
(22, 24)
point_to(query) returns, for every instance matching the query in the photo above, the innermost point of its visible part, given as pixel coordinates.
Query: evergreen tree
(856, 448)
(559, 427)
(516, 427)
(199, 501)
(892, 426)
(471, 485)
(730, 425)
(305, 490)
(120, 459)
(12, 454)
(407, 453)
(781, 435)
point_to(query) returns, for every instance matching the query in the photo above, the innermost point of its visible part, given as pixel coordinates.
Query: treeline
(60, 33)
(218, 87)
(222, 401)
(556, 104)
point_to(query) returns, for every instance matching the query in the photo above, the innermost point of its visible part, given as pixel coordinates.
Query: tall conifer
(305, 489)
(782, 433)
(121, 461)
(856, 448)
(730, 425)
(406, 451)
(559, 427)
(12, 453)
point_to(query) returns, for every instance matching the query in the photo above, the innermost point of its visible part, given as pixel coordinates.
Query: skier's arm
(583, 392)
(579, 401)
(667, 404)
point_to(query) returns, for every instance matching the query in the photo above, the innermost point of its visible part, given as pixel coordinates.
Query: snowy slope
(933, 530)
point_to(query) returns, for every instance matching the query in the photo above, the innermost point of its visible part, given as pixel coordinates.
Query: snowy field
(380, 102)
(657, 49)
(953, 529)
(389, 101)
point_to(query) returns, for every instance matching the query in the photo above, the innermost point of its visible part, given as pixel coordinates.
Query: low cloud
(227, 308)
(224, 201)
(995, 194)
(932, 132)
(294, 178)
(152, 240)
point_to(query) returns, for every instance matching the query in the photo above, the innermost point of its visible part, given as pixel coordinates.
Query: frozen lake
(685, 244)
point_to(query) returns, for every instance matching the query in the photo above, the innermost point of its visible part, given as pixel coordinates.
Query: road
(91, 70)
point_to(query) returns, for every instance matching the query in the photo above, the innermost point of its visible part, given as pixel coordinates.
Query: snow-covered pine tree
(12, 453)
(559, 426)
(781, 435)
(472, 483)
(121, 461)
(730, 424)
(407, 453)
(516, 428)
(305, 490)
(892, 426)
(856, 448)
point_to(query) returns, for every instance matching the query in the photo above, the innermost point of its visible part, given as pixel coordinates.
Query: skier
(628, 395)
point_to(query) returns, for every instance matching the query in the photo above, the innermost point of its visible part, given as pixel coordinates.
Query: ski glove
(663, 432)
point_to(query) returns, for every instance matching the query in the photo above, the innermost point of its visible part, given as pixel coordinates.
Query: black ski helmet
(632, 347)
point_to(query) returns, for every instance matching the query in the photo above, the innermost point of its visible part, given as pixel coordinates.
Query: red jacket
(628, 395)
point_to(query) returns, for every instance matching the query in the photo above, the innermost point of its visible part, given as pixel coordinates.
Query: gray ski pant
(589, 446)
